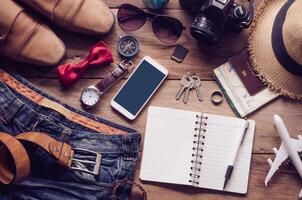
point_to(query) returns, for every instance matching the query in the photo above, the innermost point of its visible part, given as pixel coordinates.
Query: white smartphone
(139, 88)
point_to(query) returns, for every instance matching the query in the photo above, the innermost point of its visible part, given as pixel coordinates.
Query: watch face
(128, 46)
(90, 96)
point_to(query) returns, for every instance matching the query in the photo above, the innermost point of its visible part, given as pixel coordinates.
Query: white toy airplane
(288, 148)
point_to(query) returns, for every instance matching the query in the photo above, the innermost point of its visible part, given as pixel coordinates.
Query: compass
(128, 46)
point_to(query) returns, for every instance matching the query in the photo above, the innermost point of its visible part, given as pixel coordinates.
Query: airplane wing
(298, 144)
(281, 156)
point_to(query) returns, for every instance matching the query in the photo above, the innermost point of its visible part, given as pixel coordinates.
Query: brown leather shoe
(84, 16)
(24, 39)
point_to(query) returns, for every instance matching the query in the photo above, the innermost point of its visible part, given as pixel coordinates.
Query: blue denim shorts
(20, 112)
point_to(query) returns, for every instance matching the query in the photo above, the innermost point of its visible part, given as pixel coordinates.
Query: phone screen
(139, 87)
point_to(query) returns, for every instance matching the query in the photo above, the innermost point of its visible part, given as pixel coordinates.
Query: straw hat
(275, 46)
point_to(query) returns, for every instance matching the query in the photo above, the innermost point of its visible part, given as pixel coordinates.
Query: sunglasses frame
(152, 17)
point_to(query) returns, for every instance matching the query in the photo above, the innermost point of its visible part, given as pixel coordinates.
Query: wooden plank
(286, 180)
(284, 185)
(202, 58)
(265, 138)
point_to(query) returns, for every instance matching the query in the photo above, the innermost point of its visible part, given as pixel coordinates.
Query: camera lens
(204, 29)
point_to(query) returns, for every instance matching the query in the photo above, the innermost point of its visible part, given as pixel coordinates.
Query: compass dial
(128, 47)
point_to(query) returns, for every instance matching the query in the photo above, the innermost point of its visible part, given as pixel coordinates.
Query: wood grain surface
(202, 59)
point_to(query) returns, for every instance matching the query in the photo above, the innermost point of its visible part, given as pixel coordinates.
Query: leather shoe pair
(22, 38)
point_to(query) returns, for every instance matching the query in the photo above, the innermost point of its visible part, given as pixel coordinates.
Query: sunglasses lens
(167, 29)
(130, 17)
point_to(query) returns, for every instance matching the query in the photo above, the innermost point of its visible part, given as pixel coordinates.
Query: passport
(242, 66)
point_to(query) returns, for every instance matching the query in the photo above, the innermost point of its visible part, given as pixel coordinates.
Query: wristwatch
(91, 94)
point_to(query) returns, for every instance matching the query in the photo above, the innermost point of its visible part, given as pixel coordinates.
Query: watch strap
(118, 72)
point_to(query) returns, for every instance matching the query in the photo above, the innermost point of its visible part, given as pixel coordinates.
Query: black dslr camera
(213, 15)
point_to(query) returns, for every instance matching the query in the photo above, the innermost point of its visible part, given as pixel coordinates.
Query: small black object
(128, 46)
(179, 53)
(212, 16)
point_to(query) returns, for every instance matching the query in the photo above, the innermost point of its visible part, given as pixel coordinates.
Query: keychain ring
(216, 97)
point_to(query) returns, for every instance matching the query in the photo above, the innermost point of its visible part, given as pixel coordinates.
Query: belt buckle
(96, 162)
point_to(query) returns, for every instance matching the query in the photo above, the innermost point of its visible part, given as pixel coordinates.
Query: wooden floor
(202, 59)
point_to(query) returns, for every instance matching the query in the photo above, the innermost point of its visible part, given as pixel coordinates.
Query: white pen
(230, 168)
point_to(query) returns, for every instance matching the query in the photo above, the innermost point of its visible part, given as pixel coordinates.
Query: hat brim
(262, 56)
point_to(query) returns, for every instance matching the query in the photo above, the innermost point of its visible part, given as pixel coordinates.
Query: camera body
(212, 16)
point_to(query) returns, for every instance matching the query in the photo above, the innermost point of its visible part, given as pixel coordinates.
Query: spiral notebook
(193, 148)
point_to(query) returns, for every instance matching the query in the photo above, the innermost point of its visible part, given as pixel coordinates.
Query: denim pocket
(17, 120)
(13, 126)
(20, 126)
(110, 168)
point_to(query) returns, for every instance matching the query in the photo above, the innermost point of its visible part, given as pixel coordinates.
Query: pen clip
(247, 124)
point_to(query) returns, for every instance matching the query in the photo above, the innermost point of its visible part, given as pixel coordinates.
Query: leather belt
(16, 166)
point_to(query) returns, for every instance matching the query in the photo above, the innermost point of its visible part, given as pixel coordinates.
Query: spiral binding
(198, 144)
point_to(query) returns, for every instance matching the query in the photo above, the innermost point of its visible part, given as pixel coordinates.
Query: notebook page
(168, 145)
(220, 136)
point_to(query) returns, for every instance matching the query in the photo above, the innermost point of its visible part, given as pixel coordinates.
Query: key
(186, 97)
(196, 87)
(185, 82)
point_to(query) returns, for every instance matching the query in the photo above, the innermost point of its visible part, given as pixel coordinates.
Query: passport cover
(237, 95)
(241, 64)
